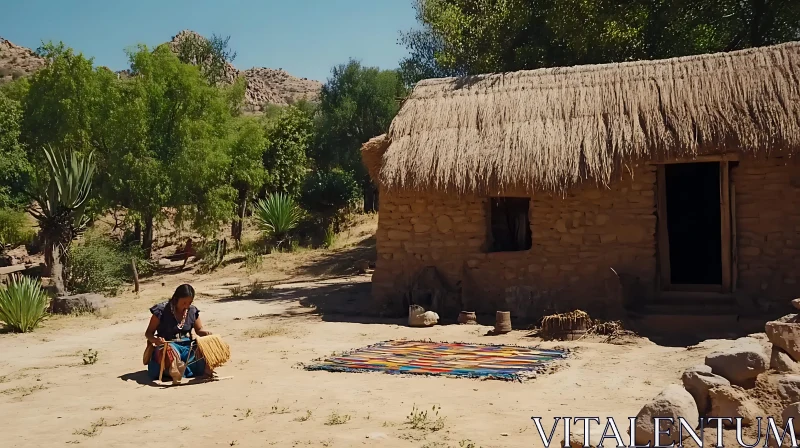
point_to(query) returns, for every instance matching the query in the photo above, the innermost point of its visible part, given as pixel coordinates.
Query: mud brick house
(655, 183)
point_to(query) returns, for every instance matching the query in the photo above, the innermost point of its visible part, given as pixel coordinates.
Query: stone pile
(723, 385)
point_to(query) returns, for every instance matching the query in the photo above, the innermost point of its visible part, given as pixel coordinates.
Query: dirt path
(49, 397)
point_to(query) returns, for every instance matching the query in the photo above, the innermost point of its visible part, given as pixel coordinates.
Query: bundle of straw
(556, 324)
(215, 351)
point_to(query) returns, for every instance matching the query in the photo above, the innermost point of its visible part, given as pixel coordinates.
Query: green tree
(289, 134)
(167, 144)
(356, 104)
(482, 36)
(58, 108)
(14, 166)
(247, 167)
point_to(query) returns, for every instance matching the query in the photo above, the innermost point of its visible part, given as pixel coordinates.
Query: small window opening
(510, 224)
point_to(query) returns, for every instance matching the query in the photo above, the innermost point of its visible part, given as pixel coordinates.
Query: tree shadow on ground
(340, 261)
(332, 300)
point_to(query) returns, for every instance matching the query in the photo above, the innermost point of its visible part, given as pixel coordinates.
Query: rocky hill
(264, 85)
(16, 61)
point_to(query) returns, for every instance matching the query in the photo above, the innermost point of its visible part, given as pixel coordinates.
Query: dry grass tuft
(337, 419)
(258, 333)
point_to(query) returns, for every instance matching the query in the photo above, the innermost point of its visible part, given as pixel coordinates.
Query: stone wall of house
(577, 238)
(767, 208)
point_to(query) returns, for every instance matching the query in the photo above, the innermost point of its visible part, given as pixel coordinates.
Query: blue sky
(304, 37)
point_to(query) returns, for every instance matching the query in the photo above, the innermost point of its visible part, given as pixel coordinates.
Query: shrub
(23, 304)
(14, 229)
(97, 264)
(253, 261)
(328, 193)
(330, 237)
(100, 264)
(277, 216)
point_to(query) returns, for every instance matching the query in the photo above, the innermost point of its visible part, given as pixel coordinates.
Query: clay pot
(467, 318)
(502, 322)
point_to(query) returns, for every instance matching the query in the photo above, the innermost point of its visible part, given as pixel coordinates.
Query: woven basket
(502, 322)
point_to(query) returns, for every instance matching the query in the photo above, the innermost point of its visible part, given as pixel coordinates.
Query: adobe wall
(768, 231)
(577, 238)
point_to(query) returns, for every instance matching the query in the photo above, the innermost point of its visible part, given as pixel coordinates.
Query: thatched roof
(550, 128)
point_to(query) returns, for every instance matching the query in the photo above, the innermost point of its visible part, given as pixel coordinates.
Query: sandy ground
(49, 397)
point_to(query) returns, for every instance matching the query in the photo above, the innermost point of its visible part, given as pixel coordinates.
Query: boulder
(793, 411)
(576, 436)
(733, 402)
(740, 364)
(796, 303)
(674, 402)
(418, 317)
(785, 333)
(7, 260)
(77, 304)
(698, 380)
(789, 387)
(781, 362)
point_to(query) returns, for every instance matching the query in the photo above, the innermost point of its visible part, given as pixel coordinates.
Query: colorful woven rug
(504, 362)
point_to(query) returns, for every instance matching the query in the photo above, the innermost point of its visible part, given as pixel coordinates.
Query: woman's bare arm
(150, 334)
(198, 328)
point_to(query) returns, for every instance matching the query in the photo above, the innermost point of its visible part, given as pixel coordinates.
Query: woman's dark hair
(182, 291)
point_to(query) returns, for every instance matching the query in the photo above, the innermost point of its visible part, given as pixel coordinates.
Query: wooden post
(661, 229)
(725, 214)
(135, 276)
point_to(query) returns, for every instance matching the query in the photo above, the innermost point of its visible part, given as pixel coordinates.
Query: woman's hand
(157, 341)
(198, 328)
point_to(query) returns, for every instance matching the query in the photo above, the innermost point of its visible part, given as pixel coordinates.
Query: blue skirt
(188, 352)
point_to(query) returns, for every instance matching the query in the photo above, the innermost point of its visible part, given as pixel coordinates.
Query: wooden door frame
(727, 227)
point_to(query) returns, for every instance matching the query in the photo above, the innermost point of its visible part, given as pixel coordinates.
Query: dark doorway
(693, 223)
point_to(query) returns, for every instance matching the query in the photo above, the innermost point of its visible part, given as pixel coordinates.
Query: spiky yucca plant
(23, 304)
(277, 216)
(60, 207)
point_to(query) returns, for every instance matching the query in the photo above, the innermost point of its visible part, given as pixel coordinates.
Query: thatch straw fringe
(549, 129)
(372, 154)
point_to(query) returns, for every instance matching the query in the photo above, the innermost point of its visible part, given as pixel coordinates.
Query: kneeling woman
(171, 326)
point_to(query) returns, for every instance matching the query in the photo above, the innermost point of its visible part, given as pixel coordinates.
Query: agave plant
(277, 216)
(60, 207)
(23, 304)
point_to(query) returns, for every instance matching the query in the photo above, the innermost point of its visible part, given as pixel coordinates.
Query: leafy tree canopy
(14, 166)
(481, 36)
(289, 133)
(357, 103)
(170, 141)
